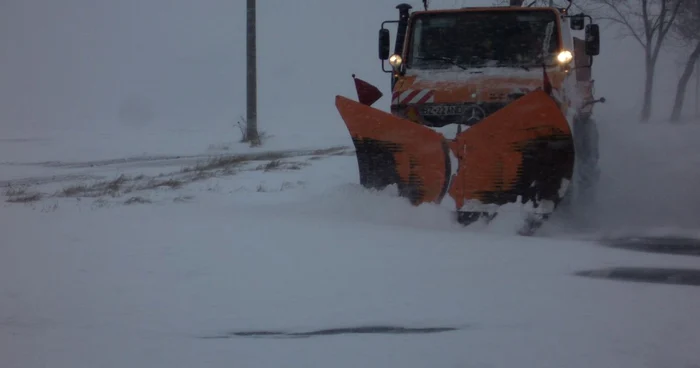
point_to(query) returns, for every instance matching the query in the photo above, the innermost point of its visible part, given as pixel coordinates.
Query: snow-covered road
(297, 246)
(136, 232)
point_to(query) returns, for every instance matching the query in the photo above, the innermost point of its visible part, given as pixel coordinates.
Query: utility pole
(697, 87)
(252, 79)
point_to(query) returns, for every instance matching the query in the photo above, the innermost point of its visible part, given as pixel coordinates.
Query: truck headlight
(565, 57)
(395, 61)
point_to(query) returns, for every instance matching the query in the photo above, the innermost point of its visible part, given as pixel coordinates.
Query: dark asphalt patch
(673, 276)
(394, 330)
(666, 245)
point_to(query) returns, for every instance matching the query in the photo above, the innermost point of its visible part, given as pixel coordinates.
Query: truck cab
(490, 111)
(453, 68)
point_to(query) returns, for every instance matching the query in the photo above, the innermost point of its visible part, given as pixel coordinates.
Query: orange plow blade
(391, 150)
(521, 154)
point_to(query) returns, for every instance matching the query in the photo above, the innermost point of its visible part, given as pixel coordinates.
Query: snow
(94, 282)
(454, 73)
(157, 237)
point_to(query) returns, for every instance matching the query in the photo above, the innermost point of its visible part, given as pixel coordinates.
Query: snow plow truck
(491, 111)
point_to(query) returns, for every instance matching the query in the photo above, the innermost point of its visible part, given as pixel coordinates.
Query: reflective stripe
(413, 96)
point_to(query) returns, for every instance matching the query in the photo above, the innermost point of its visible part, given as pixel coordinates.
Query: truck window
(484, 39)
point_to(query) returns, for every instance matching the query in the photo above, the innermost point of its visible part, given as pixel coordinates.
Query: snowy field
(183, 262)
(137, 232)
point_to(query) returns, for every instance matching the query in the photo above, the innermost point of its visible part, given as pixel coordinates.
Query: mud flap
(391, 150)
(521, 154)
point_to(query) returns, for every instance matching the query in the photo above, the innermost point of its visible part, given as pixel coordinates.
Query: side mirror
(577, 22)
(384, 44)
(592, 40)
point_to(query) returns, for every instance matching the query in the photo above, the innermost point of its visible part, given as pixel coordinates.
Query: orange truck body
(512, 142)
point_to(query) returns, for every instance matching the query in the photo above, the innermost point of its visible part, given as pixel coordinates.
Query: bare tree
(576, 5)
(649, 23)
(533, 2)
(687, 29)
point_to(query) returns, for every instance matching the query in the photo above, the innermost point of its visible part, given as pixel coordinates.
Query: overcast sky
(106, 63)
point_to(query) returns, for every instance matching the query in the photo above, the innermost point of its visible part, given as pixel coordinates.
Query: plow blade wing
(391, 150)
(523, 153)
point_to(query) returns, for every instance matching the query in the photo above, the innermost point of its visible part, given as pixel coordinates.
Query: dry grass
(169, 183)
(182, 199)
(137, 200)
(325, 153)
(262, 135)
(214, 167)
(21, 194)
(112, 188)
(16, 190)
(218, 163)
(25, 198)
(74, 190)
(333, 151)
(119, 186)
(277, 165)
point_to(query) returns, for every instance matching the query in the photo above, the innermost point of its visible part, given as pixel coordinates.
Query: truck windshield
(471, 39)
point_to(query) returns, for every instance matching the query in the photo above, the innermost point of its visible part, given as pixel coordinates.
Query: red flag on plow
(367, 94)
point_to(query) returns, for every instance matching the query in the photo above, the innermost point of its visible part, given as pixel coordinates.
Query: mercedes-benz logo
(473, 114)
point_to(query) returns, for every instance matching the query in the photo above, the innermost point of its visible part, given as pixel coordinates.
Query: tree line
(654, 25)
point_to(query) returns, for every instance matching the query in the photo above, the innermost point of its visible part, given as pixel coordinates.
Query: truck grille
(439, 115)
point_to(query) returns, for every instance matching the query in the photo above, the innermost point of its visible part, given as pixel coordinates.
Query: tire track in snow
(155, 161)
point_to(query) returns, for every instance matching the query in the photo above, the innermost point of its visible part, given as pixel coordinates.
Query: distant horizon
(131, 64)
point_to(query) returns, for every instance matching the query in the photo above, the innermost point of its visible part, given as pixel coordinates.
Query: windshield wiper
(442, 58)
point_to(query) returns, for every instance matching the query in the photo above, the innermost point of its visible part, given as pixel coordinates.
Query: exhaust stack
(404, 12)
